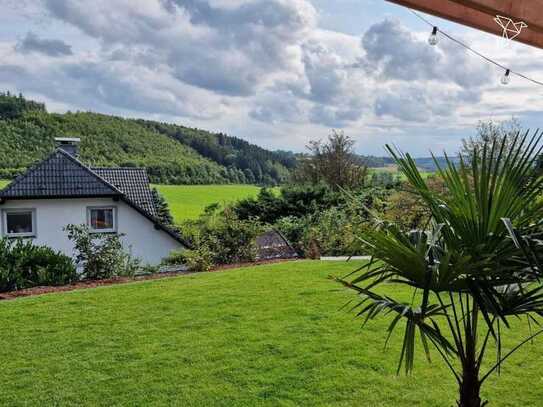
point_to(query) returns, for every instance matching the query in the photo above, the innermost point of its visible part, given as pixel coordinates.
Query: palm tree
(473, 269)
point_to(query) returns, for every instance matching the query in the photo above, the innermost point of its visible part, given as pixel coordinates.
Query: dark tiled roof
(133, 183)
(59, 175)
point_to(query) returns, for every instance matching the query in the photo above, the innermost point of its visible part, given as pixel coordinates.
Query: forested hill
(171, 153)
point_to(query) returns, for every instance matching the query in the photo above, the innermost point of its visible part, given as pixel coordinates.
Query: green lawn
(189, 201)
(3, 183)
(260, 336)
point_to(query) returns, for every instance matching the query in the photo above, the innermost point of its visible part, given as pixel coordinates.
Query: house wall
(141, 238)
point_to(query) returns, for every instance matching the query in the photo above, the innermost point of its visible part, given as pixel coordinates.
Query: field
(259, 336)
(393, 169)
(189, 201)
(3, 183)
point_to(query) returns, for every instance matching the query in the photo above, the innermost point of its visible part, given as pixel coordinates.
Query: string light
(433, 39)
(505, 79)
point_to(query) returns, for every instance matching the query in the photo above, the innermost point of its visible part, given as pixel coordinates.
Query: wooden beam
(480, 14)
(529, 11)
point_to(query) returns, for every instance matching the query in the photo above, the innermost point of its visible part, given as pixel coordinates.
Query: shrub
(332, 232)
(294, 229)
(200, 259)
(328, 232)
(25, 265)
(175, 258)
(228, 238)
(383, 179)
(101, 254)
(147, 269)
(297, 201)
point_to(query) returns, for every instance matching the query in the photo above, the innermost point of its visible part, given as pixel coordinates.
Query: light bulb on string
(433, 38)
(506, 78)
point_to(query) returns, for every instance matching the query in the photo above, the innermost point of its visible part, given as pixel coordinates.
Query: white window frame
(89, 223)
(6, 212)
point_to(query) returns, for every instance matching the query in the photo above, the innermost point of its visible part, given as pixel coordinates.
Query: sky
(277, 73)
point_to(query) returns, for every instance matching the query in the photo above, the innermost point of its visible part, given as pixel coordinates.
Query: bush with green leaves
(384, 179)
(101, 254)
(174, 258)
(297, 201)
(25, 265)
(331, 231)
(228, 238)
(198, 260)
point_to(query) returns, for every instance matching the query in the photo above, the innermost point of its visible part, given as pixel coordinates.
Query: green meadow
(270, 335)
(189, 201)
(393, 169)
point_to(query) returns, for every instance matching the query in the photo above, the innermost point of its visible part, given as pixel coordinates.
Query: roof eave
(157, 223)
(4, 198)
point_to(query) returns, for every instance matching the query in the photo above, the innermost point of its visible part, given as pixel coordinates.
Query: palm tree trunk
(470, 387)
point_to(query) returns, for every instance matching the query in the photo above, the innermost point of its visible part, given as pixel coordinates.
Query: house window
(19, 222)
(102, 219)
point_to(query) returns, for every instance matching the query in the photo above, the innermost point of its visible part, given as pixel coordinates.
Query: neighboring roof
(59, 175)
(273, 245)
(133, 183)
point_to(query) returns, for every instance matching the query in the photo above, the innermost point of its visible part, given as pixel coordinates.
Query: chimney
(68, 145)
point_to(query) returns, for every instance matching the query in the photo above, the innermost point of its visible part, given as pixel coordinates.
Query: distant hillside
(172, 154)
(258, 164)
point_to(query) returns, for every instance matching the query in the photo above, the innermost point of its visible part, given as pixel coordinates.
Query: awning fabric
(480, 14)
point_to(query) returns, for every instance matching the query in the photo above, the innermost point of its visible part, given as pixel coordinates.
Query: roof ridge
(89, 169)
(119, 168)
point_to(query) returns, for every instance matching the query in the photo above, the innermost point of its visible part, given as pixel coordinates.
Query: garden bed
(85, 284)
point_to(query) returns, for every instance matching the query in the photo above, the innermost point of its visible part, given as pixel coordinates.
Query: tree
(406, 209)
(333, 163)
(490, 132)
(162, 209)
(475, 269)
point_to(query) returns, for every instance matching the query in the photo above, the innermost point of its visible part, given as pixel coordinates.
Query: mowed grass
(3, 183)
(270, 335)
(189, 201)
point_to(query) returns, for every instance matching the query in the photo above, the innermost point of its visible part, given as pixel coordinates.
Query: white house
(61, 190)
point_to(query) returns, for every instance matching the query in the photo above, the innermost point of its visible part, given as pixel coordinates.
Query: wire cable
(475, 52)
